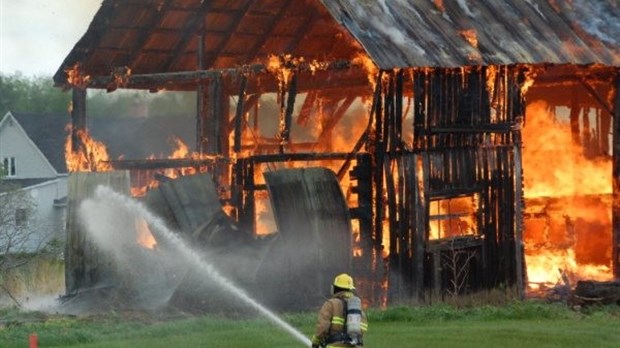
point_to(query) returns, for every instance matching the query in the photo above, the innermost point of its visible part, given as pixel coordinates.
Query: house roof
(158, 36)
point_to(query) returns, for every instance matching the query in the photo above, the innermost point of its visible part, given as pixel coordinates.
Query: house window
(21, 217)
(453, 217)
(9, 166)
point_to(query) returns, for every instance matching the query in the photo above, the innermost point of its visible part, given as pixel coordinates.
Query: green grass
(528, 324)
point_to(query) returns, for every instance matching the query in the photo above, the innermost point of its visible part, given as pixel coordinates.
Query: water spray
(159, 228)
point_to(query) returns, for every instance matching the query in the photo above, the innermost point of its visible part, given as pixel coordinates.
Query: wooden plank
(85, 264)
(314, 228)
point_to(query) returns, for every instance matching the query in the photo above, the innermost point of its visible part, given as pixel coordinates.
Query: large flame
(568, 203)
(555, 166)
(92, 155)
(181, 151)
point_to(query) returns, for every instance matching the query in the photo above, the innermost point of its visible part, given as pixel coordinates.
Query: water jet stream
(159, 228)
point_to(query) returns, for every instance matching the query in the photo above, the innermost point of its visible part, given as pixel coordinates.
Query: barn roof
(452, 33)
(155, 36)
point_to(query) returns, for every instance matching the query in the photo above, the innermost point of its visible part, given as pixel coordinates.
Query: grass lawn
(527, 324)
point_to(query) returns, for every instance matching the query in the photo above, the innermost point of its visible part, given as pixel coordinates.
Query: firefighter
(341, 321)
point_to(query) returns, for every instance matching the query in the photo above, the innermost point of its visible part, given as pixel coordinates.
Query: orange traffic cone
(34, 341)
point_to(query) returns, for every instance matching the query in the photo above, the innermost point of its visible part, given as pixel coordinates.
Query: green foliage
(19, 93)
(511, 311)
(31, 94)
(516, 324)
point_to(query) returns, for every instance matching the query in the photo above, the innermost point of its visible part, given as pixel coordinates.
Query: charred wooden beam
(457, 243)
(307, 108)
(248, 104)
(299, 157)
(364, 137)
(200, 99)
(596, 96)
(343, 74)
(192, 26)
(239, 114)
(419, 221)
(336, 117)
(149, 164)
(78, 116)
(285, 131)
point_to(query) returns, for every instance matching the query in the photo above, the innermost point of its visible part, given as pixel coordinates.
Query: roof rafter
(146, 33)
(302, 31)
(195, 24)
(261, 42)
(233, 28)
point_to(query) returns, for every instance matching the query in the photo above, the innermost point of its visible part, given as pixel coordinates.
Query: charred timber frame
(342, 73)
(453, 121)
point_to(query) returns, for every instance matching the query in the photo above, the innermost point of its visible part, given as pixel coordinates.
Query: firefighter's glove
(316, 341)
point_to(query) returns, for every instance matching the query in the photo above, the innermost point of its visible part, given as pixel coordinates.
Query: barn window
(453, 217)
(9, 166)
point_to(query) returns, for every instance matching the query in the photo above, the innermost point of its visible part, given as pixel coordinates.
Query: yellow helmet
(344, 281)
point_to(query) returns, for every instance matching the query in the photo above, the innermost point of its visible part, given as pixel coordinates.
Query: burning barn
(428, 147)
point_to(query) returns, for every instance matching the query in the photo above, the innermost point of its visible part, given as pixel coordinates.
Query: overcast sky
(37, 35)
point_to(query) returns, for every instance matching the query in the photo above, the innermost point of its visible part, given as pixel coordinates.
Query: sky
(37, 35)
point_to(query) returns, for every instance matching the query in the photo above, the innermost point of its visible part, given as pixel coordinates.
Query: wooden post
(616, 184)
(78, 116)
(285, 123)
(200, 98)
(85, 265)
(419, 216)
(239, 114)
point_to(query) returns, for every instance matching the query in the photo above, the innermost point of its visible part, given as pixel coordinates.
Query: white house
(32, 157)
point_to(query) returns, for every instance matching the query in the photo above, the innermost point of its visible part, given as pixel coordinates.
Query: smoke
(150, 275)
(109, 217)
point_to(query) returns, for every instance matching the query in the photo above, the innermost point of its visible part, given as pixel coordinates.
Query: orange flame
(144, 236)
(369, 66)
(470, 36)
(91, 156)
(568, 203)
(76, 77)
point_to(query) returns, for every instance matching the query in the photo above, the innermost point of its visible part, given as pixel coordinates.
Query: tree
(20, 237)
(35, 94)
